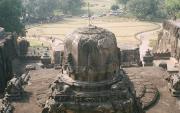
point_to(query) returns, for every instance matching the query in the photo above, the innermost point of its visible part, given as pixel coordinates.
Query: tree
(10, 16)
(124, 2)
(144, 8)
(173, 7)
(71, 6)
(40, 8)
(47, 7)
(114, 7)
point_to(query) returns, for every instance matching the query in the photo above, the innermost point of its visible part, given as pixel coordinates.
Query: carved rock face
(1, 31)
(94, 54)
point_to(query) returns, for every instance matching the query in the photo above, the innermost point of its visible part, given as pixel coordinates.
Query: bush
(114, 7)
(147, 9)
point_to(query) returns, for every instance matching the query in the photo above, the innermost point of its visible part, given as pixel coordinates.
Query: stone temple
(7, 54)
(92, 80)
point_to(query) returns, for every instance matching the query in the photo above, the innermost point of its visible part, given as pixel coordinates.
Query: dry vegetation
(36, 43)
(124, 28)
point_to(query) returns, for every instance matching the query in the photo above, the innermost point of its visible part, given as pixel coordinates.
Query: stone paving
(165, 103)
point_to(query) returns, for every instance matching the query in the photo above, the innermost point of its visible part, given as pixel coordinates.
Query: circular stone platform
(145, 90)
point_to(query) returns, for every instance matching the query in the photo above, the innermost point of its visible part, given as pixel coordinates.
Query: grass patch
(152, 42)
(123, 28)
(37, 43)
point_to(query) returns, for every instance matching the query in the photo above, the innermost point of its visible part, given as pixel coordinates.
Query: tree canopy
(173, 7)
(10, 16)
(124, 2)
(71, 6)
(152, 8)
(143, 8)
(114, 7)
(40, 8)
(46, 8)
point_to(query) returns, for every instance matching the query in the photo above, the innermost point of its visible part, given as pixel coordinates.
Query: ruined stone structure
(14, 88)
(174, 84)
(92, 80)
(23, 45)
(148, 59)
(57, 56)
(130, 57)
(168, 44)
(5, 106)
(7, 53)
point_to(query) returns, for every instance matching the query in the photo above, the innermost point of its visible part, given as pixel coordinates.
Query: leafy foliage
(10, 14)
(40, 8)
(46, 8)
(71, 6)
(146, 9)
(173, 7)
(114, 7)
(122, 1)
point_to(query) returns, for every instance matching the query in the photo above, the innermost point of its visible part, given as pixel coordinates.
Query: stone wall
(169, 39)
(130, 57)
(23, 46)
(7, 53)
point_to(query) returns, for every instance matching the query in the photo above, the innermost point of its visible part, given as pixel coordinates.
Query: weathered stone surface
(23, 45)
(169, 40)
(130, 57)
(92, 80)
(5, 106)
(145, 90)
(148, 58)
(7, 53)
(174, 84)
(14, 89)
(94, 52)
(1, 31)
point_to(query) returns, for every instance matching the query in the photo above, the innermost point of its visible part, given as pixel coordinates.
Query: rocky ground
(166, 103)
(35, 91)
(40, 79)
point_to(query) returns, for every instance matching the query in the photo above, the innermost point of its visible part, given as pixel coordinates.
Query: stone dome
(91, 54)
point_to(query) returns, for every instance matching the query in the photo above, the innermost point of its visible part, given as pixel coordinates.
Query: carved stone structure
(92, 80)
(23, 45)
(57, 56)
(148, 59)
(168, 44)
(5, 106)
(130, 57)
(174, 84)
(7, 53)
(14, 88)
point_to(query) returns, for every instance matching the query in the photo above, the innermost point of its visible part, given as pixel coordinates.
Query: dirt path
(144, 38)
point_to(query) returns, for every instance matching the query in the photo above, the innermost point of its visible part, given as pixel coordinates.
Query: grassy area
(152, 42)
(37, 43)
(123, 28)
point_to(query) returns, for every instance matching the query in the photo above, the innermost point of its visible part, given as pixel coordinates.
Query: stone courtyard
(35, 93)
(90, 78)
